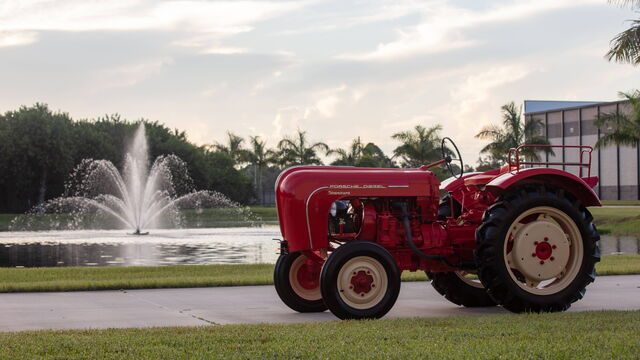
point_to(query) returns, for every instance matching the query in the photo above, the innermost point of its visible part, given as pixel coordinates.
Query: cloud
(17, 38)
(477, 88)
(288, 120)
(442, 25)
(474, 101)
(132, 74)
(362, 14)
(328, 100)
(207, 22)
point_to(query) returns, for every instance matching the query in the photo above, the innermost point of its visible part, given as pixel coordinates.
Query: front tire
(537, 249)
(360, 280)
(298, 283)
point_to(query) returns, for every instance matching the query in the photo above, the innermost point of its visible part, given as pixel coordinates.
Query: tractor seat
(481, 179)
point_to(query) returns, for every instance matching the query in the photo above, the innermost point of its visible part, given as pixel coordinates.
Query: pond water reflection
(619, 245)
(244, 245)
(117, 248)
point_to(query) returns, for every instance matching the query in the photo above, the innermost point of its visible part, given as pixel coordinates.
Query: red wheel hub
(543, 250)
(362, 282)
(309, 275)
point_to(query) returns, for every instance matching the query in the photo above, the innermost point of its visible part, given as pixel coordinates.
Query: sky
(336, 69)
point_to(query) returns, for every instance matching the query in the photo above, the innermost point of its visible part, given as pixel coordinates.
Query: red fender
(582, 188)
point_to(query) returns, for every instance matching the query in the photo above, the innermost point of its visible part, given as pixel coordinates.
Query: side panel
(572, 137)
(555, 129)
(608, 163)
(590, 137)
(290, 170)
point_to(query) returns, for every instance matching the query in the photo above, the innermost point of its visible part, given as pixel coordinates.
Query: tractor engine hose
(406, 220)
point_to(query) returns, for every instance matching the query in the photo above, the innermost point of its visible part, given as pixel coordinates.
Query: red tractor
(519, 236)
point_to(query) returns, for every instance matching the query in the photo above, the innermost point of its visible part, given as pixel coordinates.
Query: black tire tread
(332, 267)
(284, 290)
(449, 285)
(490, 237)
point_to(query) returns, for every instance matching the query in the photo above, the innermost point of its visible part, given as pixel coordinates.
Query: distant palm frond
(625, 47)
(623, 3)
(513, 133)
(625, 127)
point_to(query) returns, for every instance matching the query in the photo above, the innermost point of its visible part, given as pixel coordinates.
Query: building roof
(533, 106)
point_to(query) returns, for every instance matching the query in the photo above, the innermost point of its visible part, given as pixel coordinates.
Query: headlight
(334, 209)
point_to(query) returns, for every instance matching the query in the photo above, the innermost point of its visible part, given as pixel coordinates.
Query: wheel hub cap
(304, 278)
(309, 275)
(541, 250)
(362, 282)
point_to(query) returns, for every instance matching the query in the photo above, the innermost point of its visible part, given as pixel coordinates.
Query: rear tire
(298, 288)
(536, 249)
(360, 280)
(452, 285)
(460, 290)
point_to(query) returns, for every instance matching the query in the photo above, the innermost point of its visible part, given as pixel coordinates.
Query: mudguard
(582, 188)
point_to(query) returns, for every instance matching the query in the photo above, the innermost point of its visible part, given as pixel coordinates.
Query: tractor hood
(304, 195)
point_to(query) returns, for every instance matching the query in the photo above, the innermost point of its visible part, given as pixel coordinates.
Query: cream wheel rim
(303, 292)
(543, 250)
(468, 279)
(362, 282)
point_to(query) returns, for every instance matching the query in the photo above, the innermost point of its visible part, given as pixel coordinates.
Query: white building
(572, 123)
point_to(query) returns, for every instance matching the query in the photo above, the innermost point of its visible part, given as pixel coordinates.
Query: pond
(239, 245)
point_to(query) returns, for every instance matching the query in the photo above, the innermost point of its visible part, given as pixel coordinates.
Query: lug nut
(546, 239)
(533, 254)
(541, 262)
(350, 286)
(552, 258)
(373, 285)
(553, 246)
(535, 243)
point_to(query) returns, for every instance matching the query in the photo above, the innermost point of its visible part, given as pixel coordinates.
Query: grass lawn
(141, 277)
(266, 213)
(5, 221)
(586, 335)
(620, 221)
(621, 202)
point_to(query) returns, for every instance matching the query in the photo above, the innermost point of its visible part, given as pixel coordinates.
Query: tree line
(40, 148)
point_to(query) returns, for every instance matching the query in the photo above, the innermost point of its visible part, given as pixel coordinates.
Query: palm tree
(359, 154)
(351, 156)
(298, 151)
(259, 157)
(625, 127)
(625, 47)
(373, 156)
(419, 146)
(512, 134)
(233, 148)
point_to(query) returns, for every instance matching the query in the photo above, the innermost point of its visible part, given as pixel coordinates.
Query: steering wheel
(458, 158)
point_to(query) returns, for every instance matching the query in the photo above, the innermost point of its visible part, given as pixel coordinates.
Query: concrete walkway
(247, 304)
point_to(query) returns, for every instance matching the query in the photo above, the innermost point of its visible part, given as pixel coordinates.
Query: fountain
(140, 197)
